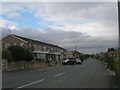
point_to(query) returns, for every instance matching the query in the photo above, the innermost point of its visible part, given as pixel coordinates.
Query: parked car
(78, 61)
(65, 62)
(69, 61)
(72, 61)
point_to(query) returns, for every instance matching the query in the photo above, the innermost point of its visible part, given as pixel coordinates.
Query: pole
(118, 62)
(118, 26)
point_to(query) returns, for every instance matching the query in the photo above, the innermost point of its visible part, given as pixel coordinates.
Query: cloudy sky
(90, 26)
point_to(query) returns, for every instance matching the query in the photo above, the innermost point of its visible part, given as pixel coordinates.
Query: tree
(28, 55)
(110, 49)
(18, 53)
(7, 55)
(110, 62)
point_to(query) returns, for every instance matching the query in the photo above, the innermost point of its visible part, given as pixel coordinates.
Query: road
(90, 74)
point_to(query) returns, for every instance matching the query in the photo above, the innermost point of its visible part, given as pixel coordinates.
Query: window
(22, 44)
(52, 49)
(40, 48)
(48, 49)
(35, 47)
(7, 45)
(29, 45)
(62, 51)
(14, 43)
(44, 48)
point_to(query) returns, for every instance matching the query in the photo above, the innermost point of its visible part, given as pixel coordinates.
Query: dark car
(69, 61)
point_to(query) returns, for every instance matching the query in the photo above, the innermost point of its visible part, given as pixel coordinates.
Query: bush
(17, 52)
(28, 55)
(118, 68)
(7, 55)
(110, 62)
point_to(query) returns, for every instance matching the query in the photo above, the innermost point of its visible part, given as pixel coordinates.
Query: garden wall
(24, 65)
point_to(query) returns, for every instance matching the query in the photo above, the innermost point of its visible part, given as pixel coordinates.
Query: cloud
(89, 25)
(5, 23)
(10, 10)
(13, 15)
(66, 39)
(91, 18)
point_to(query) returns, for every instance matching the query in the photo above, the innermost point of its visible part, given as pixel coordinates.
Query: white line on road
(29, 84)
(71, 70)
(58, 74)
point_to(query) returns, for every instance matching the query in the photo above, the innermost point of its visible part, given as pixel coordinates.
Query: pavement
(90, 74)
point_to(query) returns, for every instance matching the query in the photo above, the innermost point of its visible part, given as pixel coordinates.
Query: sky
(91, 27)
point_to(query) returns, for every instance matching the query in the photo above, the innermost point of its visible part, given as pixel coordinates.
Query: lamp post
(118, 25)
(118, 62)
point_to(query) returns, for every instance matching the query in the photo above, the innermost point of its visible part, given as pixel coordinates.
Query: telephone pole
(118, 62)
(118, 25)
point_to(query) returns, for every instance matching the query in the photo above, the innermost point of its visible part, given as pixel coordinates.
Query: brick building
(76, 54)
(40, 50)
(73, 54)
(69, 54)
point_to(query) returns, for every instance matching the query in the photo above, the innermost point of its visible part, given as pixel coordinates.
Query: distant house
(73, 54)
(102, 54)
(69, 54)
(76, 54)
(40, 50)
(112, 53)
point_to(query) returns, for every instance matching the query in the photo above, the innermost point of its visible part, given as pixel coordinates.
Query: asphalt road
(90, 74)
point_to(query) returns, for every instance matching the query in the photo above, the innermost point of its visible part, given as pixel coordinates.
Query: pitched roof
(28, 39)
(112, 52)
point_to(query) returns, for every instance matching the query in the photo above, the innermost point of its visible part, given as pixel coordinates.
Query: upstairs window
(14, 43)
(48, 49)
(40, 48)
(35, 47)
(51, 49)
(7, 45)
(44, 48)
(22, 45)
(29, 45)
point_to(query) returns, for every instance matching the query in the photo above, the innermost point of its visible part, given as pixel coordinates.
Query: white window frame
(7, 45)
(48, 49)
(29, 45)
(35, 46)
(44, 48)
(15, 44)
(40, 48)
(22, 44)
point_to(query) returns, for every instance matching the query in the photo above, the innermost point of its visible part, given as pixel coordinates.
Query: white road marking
(58, 74)
(29, 84)
(71, 70)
